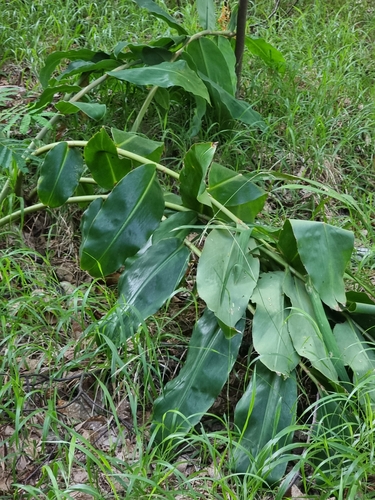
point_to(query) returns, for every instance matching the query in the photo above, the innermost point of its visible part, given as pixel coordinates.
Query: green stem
(121, 152)
(144, 108)
(41, 206)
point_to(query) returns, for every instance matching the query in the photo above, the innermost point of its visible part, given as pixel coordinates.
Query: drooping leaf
(267, 408)
(356, 353)
(103, 161)
(216, 61)
(326, 331)
(155, 55)
(56, 57)
(118, 228)
(235, 108)
(12, 154)
(92, 109)
(206, 13)
(79, 67)
(227, 274)
(49, 93)
(270, 331)
(160, 13)
(192, 177)
(362, 310)
(166, 74)
(325, 252)
(236, 192)
(175, 226)
(271, 56)
(138, 144)
(304, 330)
(149, 279)
(199, 112)
(287, 243)
(210, 359)
(141, 50)
(59, 175)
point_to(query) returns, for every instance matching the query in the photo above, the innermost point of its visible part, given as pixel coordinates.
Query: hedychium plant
(289, 282)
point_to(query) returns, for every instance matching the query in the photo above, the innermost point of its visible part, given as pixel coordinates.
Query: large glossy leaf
(56, 57)
(206, 13)
(271, 56)
(157, 11)
(236, 192)
(304, 329)
(267, 408)
(166, 74)
(187, 398)
(103, 161)
(59, 175)
(325, 253)
(119, 227)
(138, 144)
(149, 279)
(192, 177)
(92, 109)
(227, 274)
(215, 59)
(356, 353)
(270, 331)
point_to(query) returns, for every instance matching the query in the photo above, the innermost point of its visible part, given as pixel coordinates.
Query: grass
(74, 409)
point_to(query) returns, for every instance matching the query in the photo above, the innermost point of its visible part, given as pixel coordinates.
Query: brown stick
(240, 39)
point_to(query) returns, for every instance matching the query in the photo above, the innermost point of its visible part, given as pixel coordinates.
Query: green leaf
(119, 227)
(56, 57)
(271, 56)
(268, 407)
(355, 351)
(227, 274)
(79, 67)
(237, 109)
(199, 112)
(49, 93)
(209, 361)
(304, 330)
(137, 144)
(215, 60)
(155, 55)
(236, 192)
(326, 331)
(149, 279)
(192, 177)
(92, 110)
(167, 74)
(206, 13)
(12, 154)
(325, 253)
(270, 331)
(59, 175)
(158, 12)
(287, 243)
(175, 226)
(103, 161)
(163, 98)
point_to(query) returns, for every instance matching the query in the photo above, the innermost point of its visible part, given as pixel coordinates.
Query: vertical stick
(240, 38)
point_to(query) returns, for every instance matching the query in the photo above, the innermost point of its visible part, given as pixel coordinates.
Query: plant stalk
(240, 39)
